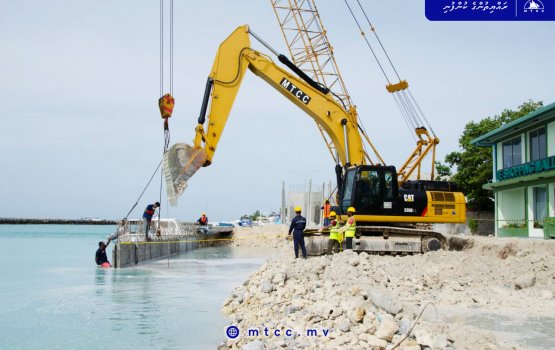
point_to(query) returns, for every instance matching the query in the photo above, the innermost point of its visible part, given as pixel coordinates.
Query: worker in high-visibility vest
(335, 236)
(349, 228)
(327, 212)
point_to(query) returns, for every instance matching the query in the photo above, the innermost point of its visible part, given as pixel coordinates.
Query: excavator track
(381, 240)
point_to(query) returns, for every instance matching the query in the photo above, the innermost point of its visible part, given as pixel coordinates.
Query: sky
(81, 134)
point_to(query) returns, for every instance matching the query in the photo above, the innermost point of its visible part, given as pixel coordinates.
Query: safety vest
(334, 231)
(350, 232)
(327, 209)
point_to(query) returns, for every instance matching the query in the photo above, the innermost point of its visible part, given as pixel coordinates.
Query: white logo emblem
(533, 6)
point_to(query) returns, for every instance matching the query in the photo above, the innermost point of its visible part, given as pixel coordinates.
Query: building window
(540, 206)
(512, 153)
(537, 144)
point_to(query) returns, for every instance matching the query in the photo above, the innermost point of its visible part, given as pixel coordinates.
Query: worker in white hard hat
(203, 220)
(297, 227)
(349, 228)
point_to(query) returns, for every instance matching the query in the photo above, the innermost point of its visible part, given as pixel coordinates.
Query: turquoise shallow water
(53, 296)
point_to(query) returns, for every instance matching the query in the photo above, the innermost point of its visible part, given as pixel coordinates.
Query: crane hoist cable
(166, 102)
(378, 39)
(405, 101)
(368, 42)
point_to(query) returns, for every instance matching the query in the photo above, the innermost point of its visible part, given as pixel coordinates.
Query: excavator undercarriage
(381, 240)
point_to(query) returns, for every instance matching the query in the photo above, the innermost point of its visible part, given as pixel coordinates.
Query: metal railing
(134, 230)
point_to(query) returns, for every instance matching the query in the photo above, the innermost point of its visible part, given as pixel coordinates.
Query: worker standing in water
(335, 240)
(100, 256)
(349, 228)
(203, 220)
(298, 224)
(147, 217)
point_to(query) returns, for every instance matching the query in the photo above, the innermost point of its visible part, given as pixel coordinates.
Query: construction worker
(335, 235)
(327, 211)
(297, 227)
(147, 217)
(100, 257)
(203, 220)
(349, 228)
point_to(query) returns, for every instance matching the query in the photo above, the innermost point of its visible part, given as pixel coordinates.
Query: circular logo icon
(232, 332)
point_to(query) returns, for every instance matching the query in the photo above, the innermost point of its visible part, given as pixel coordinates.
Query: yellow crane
(311, 51)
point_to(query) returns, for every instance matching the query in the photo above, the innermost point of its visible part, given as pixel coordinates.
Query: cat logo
(295, 91)
(409, 197)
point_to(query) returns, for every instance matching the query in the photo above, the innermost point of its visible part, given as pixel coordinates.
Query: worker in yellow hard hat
(203, 220)
(349, 228)
(298, 224)
(334, 242)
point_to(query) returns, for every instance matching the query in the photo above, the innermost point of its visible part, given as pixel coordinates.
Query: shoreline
(20, 221)
(367, 301)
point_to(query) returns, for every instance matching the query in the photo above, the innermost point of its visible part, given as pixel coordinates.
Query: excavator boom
(234, 57)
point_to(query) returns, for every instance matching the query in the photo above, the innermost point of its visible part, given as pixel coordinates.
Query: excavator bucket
(181, 162)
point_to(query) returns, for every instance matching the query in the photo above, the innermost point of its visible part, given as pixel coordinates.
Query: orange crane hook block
(166, 104)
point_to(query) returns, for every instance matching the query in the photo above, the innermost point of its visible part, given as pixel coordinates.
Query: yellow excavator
(386, 210)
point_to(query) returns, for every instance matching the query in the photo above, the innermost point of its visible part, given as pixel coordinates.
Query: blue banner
(498, 10)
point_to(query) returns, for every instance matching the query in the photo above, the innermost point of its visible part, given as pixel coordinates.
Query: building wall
(516, 204)
(310, 204)
(511, 213)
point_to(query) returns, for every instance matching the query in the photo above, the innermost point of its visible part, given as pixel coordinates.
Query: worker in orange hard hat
(203, 220)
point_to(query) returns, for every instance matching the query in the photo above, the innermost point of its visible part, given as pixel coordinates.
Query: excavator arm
(233, 58)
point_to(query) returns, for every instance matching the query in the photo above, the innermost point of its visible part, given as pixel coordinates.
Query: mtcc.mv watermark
(233, 332)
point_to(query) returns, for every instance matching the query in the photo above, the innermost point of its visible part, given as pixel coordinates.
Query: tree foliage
(473, 164)
(252, 217)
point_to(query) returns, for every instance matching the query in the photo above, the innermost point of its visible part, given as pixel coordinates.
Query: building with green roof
(523, 173)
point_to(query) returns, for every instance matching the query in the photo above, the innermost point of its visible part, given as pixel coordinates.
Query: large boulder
(387, 328)
(380, 298)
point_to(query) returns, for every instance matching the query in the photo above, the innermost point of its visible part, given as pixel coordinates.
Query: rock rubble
(361, 301)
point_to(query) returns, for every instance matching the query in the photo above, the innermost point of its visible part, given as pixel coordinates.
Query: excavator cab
(375, 193)
(371, 189)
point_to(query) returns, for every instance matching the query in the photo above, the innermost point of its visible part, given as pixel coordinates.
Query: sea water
(52, 295)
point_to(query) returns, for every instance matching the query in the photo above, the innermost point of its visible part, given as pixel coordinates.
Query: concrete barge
(174, 238)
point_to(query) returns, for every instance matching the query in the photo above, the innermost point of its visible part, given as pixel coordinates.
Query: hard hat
(351, 210)
(332, 213)
(203, 214)
(297, 209)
